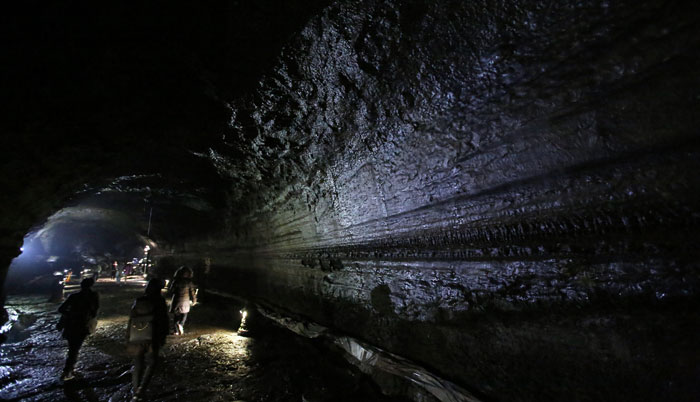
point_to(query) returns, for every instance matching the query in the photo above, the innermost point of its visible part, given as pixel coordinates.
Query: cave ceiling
(243, 105)
(223, 114)
(114, 107)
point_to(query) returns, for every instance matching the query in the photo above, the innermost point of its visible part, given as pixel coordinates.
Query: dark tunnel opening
(431, 200)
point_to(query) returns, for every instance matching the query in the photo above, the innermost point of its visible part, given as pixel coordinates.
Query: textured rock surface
(501, 192)
(505, 193)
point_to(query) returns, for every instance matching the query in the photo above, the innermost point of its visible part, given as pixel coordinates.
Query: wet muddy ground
(209, 363)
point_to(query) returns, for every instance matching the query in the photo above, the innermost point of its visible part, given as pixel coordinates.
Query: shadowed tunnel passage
(503, 194)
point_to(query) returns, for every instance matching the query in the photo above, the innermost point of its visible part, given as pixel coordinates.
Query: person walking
(147, 330)
(183, 295)
(78, 320)
(120, 275)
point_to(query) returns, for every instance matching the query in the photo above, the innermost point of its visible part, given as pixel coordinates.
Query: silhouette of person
(147, 330)
(184, 295)
(79, 318)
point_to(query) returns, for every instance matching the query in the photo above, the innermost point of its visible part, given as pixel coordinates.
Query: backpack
(141, 321)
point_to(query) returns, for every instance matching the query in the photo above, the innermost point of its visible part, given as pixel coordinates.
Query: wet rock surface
(209, 363)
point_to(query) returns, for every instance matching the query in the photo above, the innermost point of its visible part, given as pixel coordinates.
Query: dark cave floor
(209, 363)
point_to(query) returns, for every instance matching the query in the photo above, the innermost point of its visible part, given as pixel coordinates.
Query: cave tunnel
(498, 198)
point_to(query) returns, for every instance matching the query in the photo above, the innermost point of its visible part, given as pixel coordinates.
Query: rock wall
(502, 192)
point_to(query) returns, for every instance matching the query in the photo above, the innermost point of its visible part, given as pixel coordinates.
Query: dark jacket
(183, 295)
(78, 309)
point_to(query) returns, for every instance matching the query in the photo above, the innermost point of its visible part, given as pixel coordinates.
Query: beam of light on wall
(13, 316)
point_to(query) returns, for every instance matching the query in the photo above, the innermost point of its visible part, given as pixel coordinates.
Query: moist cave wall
(503, 193)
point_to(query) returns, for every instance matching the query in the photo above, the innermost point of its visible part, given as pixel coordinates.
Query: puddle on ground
(209, 363)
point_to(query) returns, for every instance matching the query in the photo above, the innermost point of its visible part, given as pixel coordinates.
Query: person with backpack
(184, 295)
(78, 320)
(146, 333)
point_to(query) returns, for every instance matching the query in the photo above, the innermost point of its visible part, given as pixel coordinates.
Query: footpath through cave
(211, 362)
